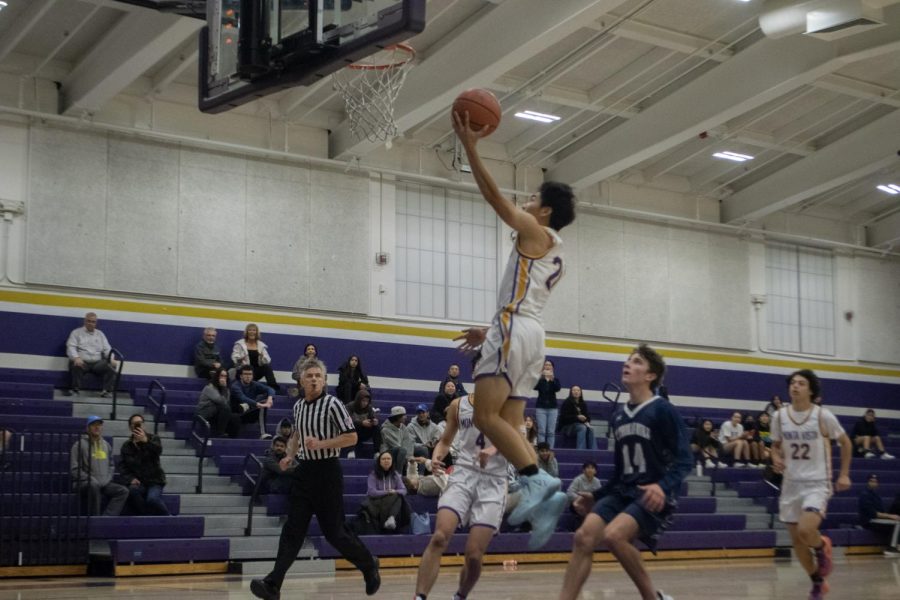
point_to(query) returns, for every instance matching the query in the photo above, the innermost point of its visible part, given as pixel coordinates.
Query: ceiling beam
(763, 72)
(863, 152)
(670, 39)
(553, 94)
(185, 58)
(137, 42)
(476, 55)
(859, 89)
(24, 23)
(885, 232)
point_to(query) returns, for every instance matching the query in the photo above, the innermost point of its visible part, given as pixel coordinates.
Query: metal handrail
(609, 385)
(203, 439)
(160, 405)
(115, 392)
(257, 483)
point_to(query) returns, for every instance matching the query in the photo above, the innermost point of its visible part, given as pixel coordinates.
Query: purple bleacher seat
(61, 503)
(10, 389)
(169, 550)
(35, 406)
(107, 528)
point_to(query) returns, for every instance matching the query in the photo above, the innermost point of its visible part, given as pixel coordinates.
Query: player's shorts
(513, 348)
(627, 500)
(798, 497)
(476, 498)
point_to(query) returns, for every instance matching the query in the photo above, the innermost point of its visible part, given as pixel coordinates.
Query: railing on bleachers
(256, 482)
(115, 393)
(160, 404)
(43, 521)
(202, 438)
(614, 402)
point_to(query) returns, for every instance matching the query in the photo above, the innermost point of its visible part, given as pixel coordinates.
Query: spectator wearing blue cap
(91, 466)
(425, 433)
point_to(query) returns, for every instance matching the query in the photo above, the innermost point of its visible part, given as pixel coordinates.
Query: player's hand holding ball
(473, 338)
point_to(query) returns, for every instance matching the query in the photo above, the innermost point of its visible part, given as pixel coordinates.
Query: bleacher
(725, 508)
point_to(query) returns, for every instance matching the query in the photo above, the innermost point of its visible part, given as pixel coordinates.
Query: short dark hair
(869, 410)
(277, 439)
(654, 361)
(543, 446)
(588, 463)
(244, 369)
(561, 200)
(131, 418)
(815, 386)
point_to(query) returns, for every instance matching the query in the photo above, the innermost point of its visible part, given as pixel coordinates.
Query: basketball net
(370, 87)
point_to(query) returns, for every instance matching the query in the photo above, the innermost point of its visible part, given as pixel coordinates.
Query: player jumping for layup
(801, 448)
(475, 496)
(652, 459)
(512, 349)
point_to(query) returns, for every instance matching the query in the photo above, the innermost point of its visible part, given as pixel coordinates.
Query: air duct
(823, 19)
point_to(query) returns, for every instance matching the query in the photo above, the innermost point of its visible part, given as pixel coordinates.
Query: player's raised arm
(451, 426)
(524, 223)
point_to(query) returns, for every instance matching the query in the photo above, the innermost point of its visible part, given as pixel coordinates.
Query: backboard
(252, 48)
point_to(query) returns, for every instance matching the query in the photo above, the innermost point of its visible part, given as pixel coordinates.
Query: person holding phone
(141, 471)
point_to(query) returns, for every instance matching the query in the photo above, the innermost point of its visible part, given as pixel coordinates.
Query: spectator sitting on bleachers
(251, 350)
(251, 400)
(89, 352)
(574, 420)
(774, 405)
(214, 405)
(276, 480)
(5, 436)
(453, 376)
(207, 356)
(365, 421)
(865, 435)
(751, 434)
(705, 445)
(731, 436)
(764, 431)
(871, 507)
(285, 428)
(140, 470)
(425, 433)
(546, 460)
(586, 483)
(424, 485)
(442, 402)
(385, 502)
(310, 351)
(530, 430)
(91, 466)
(350, 375)
(396, 437)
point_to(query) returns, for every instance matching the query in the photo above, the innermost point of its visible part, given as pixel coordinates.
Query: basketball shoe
(543, 521)
(534, 489)
(823, 558)
(662, 596)
(818, 590)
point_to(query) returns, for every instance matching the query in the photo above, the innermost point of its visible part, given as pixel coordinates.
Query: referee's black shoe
(373, 579)
(265, 590)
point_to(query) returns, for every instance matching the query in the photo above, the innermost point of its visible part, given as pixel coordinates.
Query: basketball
(483, 108)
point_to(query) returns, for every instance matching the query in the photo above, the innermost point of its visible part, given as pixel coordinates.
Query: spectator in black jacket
(207, 356)
(366, 422)
(546, 409)
(350, 376)
(275, 479)
(865, 435)
(871, 507)
(575, 421)
(141, 471)
(251, 400)
(453, 375)
(442, 402)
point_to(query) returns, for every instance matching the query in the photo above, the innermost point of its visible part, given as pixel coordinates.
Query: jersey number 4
(633, 459)
(479, 441)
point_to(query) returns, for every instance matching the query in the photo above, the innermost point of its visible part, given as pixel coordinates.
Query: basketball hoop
(370, 87)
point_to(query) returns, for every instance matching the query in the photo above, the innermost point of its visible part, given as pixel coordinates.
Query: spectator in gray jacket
(396, 437)
(89, 352)
(546, 459)
(91, 466)
(586, 483)
(425, 433)
(275, 479)
(207, 355)
(214, 405)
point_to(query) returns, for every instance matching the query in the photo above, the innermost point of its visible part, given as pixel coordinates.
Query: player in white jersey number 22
(802, 434)
(475, 496)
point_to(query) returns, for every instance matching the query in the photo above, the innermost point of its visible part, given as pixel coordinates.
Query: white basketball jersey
(469, 442)
(806, 439)
(527, 281)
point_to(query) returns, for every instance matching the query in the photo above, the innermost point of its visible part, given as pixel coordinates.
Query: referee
(324, 427)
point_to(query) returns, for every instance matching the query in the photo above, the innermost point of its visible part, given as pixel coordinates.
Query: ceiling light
(536, 116)
(3, 4)
(733, 156)
(891, 188)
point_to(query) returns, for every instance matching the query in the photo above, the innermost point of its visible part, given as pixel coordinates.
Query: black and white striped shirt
(323, 418)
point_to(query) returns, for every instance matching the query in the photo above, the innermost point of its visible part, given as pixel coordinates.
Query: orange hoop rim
(409, 50)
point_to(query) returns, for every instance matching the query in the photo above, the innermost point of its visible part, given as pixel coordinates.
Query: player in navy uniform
(652, 458)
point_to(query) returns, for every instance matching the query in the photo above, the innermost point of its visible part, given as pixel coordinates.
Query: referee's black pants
(318, 489)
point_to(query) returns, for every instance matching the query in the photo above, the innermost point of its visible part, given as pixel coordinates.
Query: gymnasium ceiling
(647, 90)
